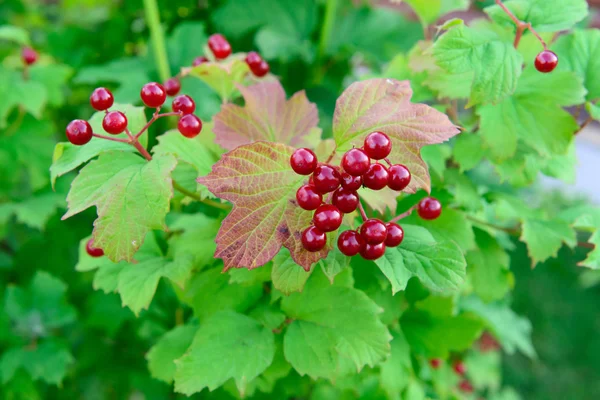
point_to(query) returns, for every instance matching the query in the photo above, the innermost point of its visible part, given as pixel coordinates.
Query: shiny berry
(435, 363)
(351, 182)
(79, 132)
(372, 251)
(376, 177)
(459, 368)
(153, 94)
(344, 199)
(429, 208)
(101, 99)
(356, 162)
(546, 61)
(199, 60)
(219, 46)
(308, 198)
(93, 251)
(326, 178)
(261, 70)
(313, 239)
(189, 125)
(184, 104)
(465, 386)
(399, 177)
(253, 59)
(395, 234)
(350, 243)
(29, 55)
(373, 231)
(114, 122)
(327, 218)
(303, 161)
(172, 86)
(257, 65)
(378, 145)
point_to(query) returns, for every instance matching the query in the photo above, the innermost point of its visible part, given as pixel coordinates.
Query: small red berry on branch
(465, 386)
(351, 182)
(326, 178)
(435, 363)
(308, 198)
(399, 177)
(313, 239)
(346, 200)
(257, 64)
(546, 61)
(29, 55)
(114, 122)
(303, 161)
(460, 368)
(327, 218)
(373, 231)
(376, 177)
(219, 46)
(101, 99)
(199, 60)
(172, 86)
(153, 94)
(429, 208)
(93, 251)
(184, 104)
(350, 243)
(79, 132)
(395, 234)
(189, 125)
(372, 251)
(378, 145)
(356, 162)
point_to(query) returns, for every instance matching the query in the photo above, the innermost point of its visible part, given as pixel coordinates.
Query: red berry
(435, 363)
(79, 132)
(327, 218)
(172, 86)
(261, 70)
(153, 94)
(101, 99)
(344, 199)
(378, 145)
(351, 182)
(372, 251)
(313, 239)
(257, 65)
(308, 198)
(326, 178)
(350, 243)
(459, 368)
(373, 231)
(189, 125)
(253, 59)
(395, 234)
(546, 61)
(219, 46)
(356, 162)
(184, 103)
(303, 161)
(399, 177)
(429, 208)
(199, 60)
(29, 55)
(114, 122)
(465, 386)
(488, 343)
(93, 251)
(376, 177)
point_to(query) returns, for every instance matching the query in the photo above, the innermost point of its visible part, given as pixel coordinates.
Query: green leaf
(37, 209)
(396, 371)
(333, 324)
(131, 195)
(222, 77)
(197, 238)
(31, 96)
(67, 156)
(228, 345)
(14, 34)
(484, 369)
(496, 65)
(334, 263)
(259, 181)
(429, 11)
(545, 237)
(593, 110)
(580, 52)
(182, 51)
(54, 77)
(451, 225)
(171, 346)
(439, 265)
(287, 276)
(543, 15)
(467, 151)
(384, 105)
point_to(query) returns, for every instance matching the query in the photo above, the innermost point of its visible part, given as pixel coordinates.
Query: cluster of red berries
(342, 183)
(546, 61)
(221, 49)
(460, 369)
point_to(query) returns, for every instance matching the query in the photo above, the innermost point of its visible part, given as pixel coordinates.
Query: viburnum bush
(362, 252)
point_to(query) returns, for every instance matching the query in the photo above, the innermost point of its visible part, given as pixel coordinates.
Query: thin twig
(114, 139)
(521, 26)
(363, 214)
(155, 116)
(584, 125)
(404, 214)
(195, 196)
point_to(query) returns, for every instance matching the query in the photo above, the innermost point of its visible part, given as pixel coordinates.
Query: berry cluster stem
(404, 214)
(521, 26)
(155, 116)
(363, 213)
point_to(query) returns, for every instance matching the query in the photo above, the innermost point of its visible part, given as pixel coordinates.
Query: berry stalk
(521, 26)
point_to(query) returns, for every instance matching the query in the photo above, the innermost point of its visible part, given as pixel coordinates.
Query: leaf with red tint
(258, 180)
(384, 105)
(267, 115)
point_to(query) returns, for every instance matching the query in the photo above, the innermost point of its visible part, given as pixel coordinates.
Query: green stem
(331, 7)
(195, 196)
(158, 39)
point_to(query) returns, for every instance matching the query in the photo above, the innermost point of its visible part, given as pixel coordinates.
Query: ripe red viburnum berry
(172, 86)
(303, 161)
(153, 94)
(313, 239)
(219, 46)
(344, 199)
(308, 198)
(351, 182)
(395, 234)
(465, 386)
(376, 177)
(372, 251)
(378, 145)
(189, 125)
(101, 99)
(257, 65)
(546, 61)
(350, 243)
(114, 122)
(261, 70)
(429, 208)
(373, 231)
(93, 251)
(199, 60)
(184, 104)
(79, 132)
(435, 363)
(356, 162)
(488, 343)
(327, 218)
(326, 178)
(399, 177)
(29, 55)
(459, 367)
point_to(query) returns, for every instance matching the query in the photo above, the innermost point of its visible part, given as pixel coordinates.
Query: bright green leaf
(171, 346)
(545, 237)
(287, 276)
(580, 52)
